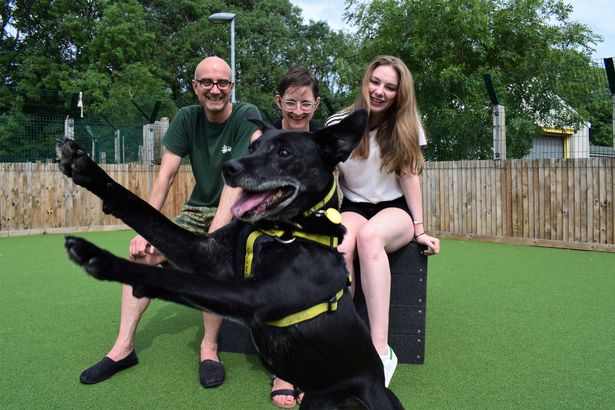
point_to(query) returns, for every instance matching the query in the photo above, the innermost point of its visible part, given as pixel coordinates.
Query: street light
(224, 18)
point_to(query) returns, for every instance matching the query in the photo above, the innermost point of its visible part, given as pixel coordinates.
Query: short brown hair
(298, 76)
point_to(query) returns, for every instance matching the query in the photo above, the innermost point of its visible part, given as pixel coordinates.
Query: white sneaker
(389, 361)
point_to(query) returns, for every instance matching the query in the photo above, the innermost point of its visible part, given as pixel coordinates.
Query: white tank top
(362, 180)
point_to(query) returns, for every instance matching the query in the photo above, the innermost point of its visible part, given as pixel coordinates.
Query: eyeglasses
(289, 105)
(209, 83)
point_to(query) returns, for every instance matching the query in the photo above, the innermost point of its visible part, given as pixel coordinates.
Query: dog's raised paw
(93, 259)
(97, 267)
(73, 161)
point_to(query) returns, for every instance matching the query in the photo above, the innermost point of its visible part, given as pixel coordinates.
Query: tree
(109, 49)
(117, 52)
(450, 44)
(586, 89)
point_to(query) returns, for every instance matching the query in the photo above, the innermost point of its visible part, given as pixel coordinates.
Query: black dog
(275, 268)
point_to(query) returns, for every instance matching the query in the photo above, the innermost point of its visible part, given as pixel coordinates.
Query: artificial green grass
(508, 326)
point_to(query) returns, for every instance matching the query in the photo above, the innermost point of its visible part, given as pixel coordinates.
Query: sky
(593, 13)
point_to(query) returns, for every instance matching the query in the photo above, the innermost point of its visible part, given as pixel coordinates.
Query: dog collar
(317, 208)
(322, 223)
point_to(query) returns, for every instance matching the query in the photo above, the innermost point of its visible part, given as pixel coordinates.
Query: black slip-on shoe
(107, 367)
(211, 373)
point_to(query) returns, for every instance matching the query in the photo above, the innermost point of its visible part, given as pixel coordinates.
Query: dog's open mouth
(255, 205)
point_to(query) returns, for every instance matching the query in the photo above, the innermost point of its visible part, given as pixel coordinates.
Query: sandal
(283, 392)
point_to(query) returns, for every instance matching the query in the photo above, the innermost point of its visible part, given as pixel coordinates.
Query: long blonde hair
(398, 134)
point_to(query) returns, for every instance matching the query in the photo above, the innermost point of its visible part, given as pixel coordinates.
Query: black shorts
(368, 210)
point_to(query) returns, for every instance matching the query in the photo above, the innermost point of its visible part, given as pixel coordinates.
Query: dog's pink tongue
(245, 203)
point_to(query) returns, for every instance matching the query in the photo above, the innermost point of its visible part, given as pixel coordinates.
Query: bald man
(209, 133)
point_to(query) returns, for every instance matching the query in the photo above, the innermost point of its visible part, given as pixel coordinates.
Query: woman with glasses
(298, 99)
(382, 208)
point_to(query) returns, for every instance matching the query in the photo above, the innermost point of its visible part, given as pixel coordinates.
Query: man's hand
(140, 248)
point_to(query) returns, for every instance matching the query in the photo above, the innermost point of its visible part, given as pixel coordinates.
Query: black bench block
(407, 311)
(408, 302)
(235, 338)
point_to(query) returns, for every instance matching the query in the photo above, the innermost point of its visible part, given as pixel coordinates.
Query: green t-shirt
(208, 146)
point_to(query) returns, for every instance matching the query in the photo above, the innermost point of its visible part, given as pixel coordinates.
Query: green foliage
(601, 132)
(124, 56)
(593, 103)
(114, 51)
(129, 53)
(450, 44)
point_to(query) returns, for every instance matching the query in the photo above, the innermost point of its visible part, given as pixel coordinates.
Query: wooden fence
(547, 202)
(37, 198)
(557, 203)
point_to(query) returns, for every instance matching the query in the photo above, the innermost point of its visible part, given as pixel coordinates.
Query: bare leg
(122, 354)
(131, 310)
(387, 231)
(376, 285)
(211, 369)
(348, 248)
(209, 345)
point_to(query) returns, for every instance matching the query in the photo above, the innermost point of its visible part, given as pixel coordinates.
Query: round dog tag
(334, 216)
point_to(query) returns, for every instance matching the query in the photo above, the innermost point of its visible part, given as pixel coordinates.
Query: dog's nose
(232, 168)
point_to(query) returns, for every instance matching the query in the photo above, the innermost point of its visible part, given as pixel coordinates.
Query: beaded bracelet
(418, 222)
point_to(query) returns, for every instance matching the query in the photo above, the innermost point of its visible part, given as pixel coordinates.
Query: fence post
(95, 155)
(161, 128)
(69, 128)
(152, 137)
(499, 120)
(118, 148)
(610, 76)
(148, 144)
(499, 132)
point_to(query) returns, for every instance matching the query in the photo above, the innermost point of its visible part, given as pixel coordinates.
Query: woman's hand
(432, 243)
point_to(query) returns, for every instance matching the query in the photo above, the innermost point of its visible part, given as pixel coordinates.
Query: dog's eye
(283, 152)
(252, 147)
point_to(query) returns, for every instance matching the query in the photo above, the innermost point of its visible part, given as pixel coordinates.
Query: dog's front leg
(228, 298)
(170, 239)
(75, 163)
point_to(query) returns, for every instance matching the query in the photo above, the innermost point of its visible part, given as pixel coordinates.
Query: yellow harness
(334, 217)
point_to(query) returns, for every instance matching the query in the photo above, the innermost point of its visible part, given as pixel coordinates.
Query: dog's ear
(337, 141)
(254, 119)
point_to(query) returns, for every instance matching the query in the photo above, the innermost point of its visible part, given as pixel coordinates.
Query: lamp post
(224, 18)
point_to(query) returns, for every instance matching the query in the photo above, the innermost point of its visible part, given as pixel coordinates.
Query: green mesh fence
(32, 138)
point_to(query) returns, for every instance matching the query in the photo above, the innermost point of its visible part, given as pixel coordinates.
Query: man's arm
(223, 215)
(169, 166)
(256, 134)
(228, 197)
